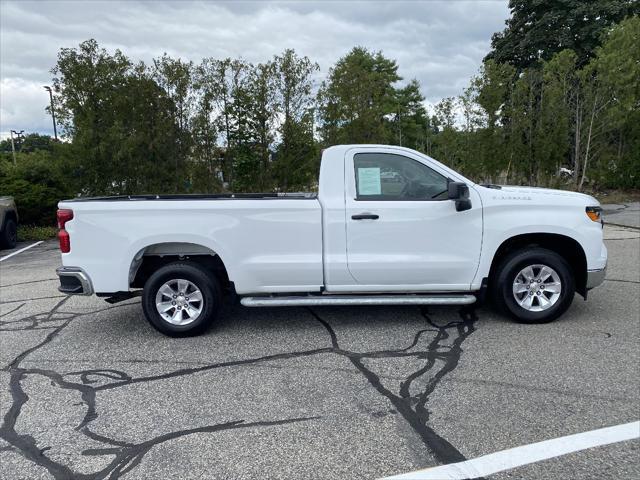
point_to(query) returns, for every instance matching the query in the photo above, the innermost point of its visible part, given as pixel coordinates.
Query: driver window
(386, 176)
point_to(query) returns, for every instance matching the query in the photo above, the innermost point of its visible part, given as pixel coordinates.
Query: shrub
(37, 184)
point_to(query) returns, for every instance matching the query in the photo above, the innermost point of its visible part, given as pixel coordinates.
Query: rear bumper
(74, 281)
(595, 277)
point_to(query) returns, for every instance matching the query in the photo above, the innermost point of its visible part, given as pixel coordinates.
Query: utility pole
(53, 114)
(13, 147)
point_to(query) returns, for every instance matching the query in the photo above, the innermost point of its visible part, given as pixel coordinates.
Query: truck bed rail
(199, 196)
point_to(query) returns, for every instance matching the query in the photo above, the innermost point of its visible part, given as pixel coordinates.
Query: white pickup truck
(388, 226)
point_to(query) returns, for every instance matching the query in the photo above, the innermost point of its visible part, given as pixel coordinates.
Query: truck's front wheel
(181, 299)
(535, 285)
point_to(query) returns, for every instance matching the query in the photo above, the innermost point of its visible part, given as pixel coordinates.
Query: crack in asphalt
(14, 310)
(622, 225)
(126, 455)
(623, 281)
(38, 321)
(28, 283)
(32, 299)
(16, 361)
(414, 407)
(441, 356)
(34, 322)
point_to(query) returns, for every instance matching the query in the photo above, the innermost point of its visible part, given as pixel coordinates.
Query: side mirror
(459, 191)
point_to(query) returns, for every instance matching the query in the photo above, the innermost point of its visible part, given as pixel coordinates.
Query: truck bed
(268, 242)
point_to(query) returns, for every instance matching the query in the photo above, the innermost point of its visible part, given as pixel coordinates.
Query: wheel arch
(153, 256)
(565, 246)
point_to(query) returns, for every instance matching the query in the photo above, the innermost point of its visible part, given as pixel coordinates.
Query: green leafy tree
(357, 97)
(409, 122)
(223, 81)
(610, 114)
(470, 161)
(27, 143)
(554, 127)
(206, 167)
(255, 113)
(492, 91)
(175, 78)
(447, 141)
(122, 123)
(538, 29)
(296, 157)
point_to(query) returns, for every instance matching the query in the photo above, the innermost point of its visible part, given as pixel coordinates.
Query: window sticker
(369, 181)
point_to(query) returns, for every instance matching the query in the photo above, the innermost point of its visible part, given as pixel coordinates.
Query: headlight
(595, 214)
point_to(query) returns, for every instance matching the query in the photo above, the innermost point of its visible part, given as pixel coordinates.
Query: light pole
(13, 147)
(53, 114)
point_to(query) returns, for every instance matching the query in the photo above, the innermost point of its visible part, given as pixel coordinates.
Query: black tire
(511, 266)
(205, 281)
(9, 235)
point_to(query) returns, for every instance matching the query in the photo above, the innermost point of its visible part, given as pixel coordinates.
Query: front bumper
(595, 277)
(74, 281)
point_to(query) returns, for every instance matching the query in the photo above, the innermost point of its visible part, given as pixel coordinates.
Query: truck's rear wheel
(181, 299)
(535, 285)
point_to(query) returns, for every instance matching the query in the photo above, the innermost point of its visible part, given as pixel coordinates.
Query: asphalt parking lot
(89, 390)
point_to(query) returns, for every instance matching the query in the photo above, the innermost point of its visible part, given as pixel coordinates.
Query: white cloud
(22, 107)
(441, 43)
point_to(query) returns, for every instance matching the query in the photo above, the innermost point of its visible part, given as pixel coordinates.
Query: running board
(308, 301)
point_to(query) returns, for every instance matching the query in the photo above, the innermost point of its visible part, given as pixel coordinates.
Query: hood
(546, 195)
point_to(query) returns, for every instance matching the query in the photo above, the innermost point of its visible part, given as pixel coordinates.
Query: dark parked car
(8, 222)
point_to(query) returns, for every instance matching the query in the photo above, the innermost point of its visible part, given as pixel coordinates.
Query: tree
(446, 142)
(357, 97)
(410, 122)
(493, 88)
(610, 88)
(254, 111)
(206, 168)
(296, 159)
(222, 82)
(554, 126)
(175, 77)
(27, 143)
(122, 124)
(538, 29)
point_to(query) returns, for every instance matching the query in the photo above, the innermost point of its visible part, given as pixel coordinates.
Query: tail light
(64, 215)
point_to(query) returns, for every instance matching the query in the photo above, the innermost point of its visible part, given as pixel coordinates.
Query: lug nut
(173, 303)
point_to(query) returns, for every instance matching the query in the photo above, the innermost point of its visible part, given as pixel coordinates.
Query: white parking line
(526, 454)
(20, 251)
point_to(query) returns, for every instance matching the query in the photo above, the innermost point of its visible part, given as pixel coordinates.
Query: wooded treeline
(557, 107)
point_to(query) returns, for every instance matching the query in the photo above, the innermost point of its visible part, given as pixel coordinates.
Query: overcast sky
(441, 43)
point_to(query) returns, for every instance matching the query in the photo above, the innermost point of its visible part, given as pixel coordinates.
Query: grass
(32, 233)
(618, 196)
